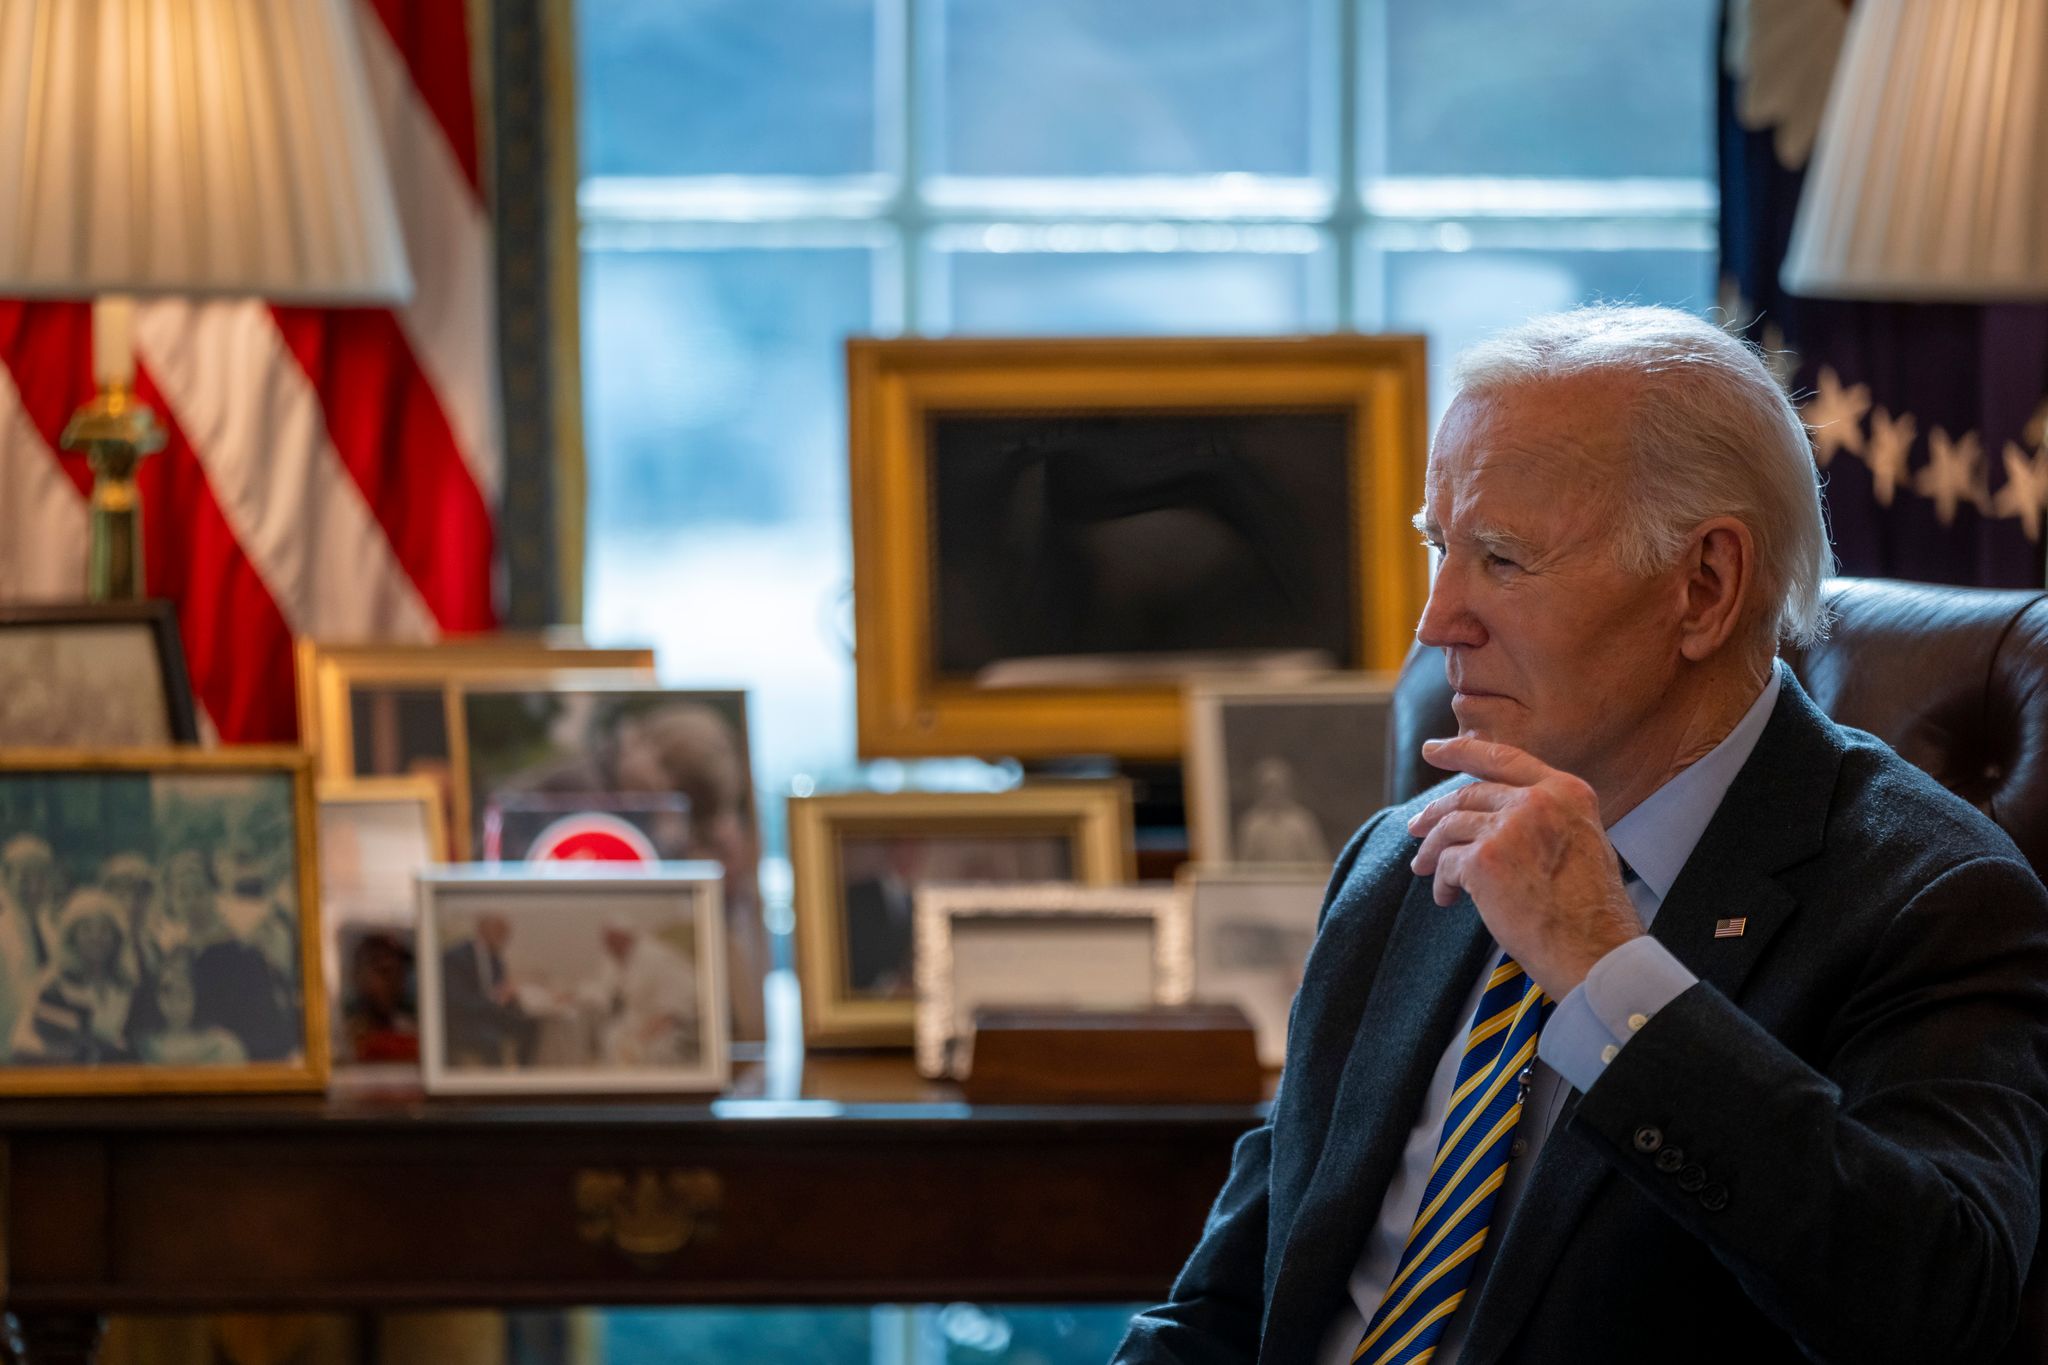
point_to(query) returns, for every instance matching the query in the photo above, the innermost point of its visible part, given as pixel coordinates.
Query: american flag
(330, 473)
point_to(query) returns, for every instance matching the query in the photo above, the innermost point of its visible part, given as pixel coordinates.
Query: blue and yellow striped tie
(1471, 1161)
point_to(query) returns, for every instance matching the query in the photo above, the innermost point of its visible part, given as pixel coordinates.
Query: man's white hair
(1710, 434)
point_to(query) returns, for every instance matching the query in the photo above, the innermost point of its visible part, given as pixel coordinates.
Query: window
(765, 177)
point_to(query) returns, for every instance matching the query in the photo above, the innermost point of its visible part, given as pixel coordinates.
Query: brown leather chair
(1955, 679)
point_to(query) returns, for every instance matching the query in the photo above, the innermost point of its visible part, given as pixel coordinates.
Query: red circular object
(592, 837)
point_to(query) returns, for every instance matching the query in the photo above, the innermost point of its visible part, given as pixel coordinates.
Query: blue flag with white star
(1930, 421)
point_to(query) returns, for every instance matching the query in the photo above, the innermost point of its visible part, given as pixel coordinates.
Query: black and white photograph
(1253, 927)
(93, 675)
(688, 749)
(1046, 944)
(153, 921)
(1070, 545)
(1284, 772)
(572, 978)
(376, 836)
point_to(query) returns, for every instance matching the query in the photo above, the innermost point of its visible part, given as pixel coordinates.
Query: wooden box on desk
(1188, 1054)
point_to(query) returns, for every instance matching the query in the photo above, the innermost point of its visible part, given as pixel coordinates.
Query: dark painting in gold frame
(1051, 537)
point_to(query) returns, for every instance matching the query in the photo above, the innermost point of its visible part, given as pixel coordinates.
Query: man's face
(1548, 644)
(495, 931)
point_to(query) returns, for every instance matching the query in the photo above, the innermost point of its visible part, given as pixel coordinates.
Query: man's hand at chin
(1526, 843)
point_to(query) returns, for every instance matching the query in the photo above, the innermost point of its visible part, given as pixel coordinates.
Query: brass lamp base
(115, 432)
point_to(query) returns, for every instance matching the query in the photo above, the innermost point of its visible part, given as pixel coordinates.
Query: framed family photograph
(1059, 945)
(581, 771)
(573, 978)
(93, 675)
(377, 835)
(858, 859)
(1284, 772)
(1253, 927)
(157, 922)
(391, 710)
(1052, 536)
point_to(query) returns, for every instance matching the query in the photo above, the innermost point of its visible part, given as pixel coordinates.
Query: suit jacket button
(1692, 1178)
(1714, 1198)
(1670, 1159)
(1648, 1139)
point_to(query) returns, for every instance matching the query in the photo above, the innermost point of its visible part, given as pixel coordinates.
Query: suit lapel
(1410, 1015)
(1772, 818)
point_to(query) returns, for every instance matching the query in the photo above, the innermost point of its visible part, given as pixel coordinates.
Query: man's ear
(1720, 566)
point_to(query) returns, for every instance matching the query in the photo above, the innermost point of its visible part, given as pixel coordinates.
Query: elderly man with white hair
(644, 994)
(1681, 1024)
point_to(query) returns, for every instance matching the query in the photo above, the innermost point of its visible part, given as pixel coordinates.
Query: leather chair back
(1955, 679)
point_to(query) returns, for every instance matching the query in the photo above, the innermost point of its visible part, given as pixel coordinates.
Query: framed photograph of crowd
(1052, 536)
(1046, 945)
(157, 922)
(573, 978)
(1285, 771)
(76, 675)
(858, 859)
(390, 710)
(377, 835)
(622, 773)
(1252, 929)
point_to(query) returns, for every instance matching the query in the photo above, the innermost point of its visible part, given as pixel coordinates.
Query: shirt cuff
(1622, 993)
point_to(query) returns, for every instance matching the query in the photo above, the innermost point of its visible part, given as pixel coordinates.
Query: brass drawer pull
(649, 1214)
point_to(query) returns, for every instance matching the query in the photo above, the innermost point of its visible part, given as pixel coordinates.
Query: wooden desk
(850, 1180)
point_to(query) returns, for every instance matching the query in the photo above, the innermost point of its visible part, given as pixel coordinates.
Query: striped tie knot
(1471, 1162)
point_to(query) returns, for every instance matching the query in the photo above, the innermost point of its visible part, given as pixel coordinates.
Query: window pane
(1507, 87)
(1077, 1334)
(1134, 293)
(1134, 87)
(726, 87)
(718, 523)
(1459, 298)
(768, 1336)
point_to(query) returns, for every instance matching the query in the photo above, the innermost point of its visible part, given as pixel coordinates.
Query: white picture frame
(609, 1014)
(1048, 943)
(1282, 772)
(1252, 929)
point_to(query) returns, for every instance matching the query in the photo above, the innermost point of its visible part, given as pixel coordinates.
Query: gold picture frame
(308, 1071)
(902, 392)
(330, 673)
(1089, 821)
(944, 1043)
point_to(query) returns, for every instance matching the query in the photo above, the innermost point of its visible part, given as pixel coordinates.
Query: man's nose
(1447, 618)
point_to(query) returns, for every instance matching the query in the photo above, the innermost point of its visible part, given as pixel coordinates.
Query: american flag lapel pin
(1731, 928)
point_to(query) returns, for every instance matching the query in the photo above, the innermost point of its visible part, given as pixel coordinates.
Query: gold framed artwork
(379, 710)
(1283, 772)
(859, 857)
(159, 932)
(1051, 536)
(377, 835)
(1060, 945)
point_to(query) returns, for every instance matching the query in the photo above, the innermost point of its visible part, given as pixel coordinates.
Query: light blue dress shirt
(1586, 1031)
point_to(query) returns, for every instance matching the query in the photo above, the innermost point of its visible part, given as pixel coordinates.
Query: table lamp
(1930, 176)
(182, 147)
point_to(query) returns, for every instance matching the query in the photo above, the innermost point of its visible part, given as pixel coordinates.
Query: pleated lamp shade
(1930, 178)
(192, 147)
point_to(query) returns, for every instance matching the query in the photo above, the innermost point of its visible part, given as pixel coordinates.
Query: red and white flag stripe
(330, 473)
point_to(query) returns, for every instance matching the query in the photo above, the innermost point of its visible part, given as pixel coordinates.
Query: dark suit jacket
(1863, 1075)
(477, 1024)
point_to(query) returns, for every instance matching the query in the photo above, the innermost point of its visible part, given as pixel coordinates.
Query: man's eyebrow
(1491, 537)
